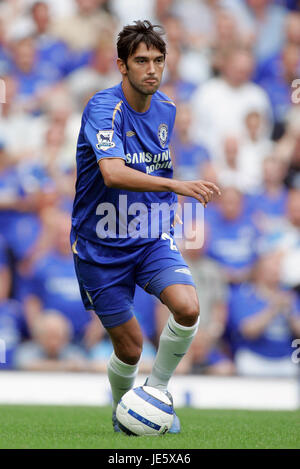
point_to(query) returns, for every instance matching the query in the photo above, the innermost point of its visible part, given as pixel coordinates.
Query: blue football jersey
(110, 217)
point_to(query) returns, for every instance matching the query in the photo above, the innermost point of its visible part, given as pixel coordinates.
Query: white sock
(174, 342)
(121, 377)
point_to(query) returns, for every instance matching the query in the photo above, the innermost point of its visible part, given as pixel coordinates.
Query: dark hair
(142, 31)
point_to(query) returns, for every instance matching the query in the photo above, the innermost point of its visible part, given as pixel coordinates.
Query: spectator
(50, 349)
(34, 77)
(53, 285)
(255, 147)
(18, 224)
(232, 237)
(241, 158)
(193, 65)
(199, 19)
(92, 22)
(99, 73)
(221, 104)
(264, 22)
(175, 31)
(228, 168)
(16, 121)
(61, 124)
(207, 351)
(262, 322)
(275, 76)
(56, 153)
(285, 234)
(189, 156)
(50, 50)
(269, 207)
(163, 9)
(181, 88)
(228, 34)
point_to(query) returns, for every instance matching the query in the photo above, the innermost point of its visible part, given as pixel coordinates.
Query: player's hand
(201, 190)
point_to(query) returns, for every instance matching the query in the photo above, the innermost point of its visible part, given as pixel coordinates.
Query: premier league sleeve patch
(104, 138)
(163, 134)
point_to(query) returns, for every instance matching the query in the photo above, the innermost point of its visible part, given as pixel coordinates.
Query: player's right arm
(117, 175)
(109, 151)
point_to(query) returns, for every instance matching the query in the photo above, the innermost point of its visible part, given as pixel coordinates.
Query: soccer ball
(145, 411)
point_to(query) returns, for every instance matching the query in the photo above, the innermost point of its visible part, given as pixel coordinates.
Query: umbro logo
(184, 270)
(130, 133)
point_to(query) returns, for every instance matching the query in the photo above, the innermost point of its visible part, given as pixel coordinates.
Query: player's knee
(187, 312)
(130, 353)
(132, 356)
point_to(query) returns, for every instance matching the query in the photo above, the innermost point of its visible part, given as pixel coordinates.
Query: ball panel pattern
(145, 411)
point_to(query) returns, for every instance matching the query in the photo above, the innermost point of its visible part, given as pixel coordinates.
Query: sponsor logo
(152, 162)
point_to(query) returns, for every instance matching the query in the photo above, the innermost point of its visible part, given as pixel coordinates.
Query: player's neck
(138, 101)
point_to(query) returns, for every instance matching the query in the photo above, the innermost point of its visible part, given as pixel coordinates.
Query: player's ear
(122, 66)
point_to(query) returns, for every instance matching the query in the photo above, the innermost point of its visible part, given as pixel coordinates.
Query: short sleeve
(103, 130)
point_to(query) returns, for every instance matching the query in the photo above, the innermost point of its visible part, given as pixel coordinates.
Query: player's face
(144, 69)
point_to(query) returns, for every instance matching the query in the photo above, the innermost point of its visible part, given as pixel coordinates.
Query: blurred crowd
(232, 68)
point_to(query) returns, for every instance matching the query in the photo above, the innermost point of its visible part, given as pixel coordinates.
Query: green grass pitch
(90, 427)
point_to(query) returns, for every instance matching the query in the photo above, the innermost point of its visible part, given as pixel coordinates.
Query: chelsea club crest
(163, 134)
